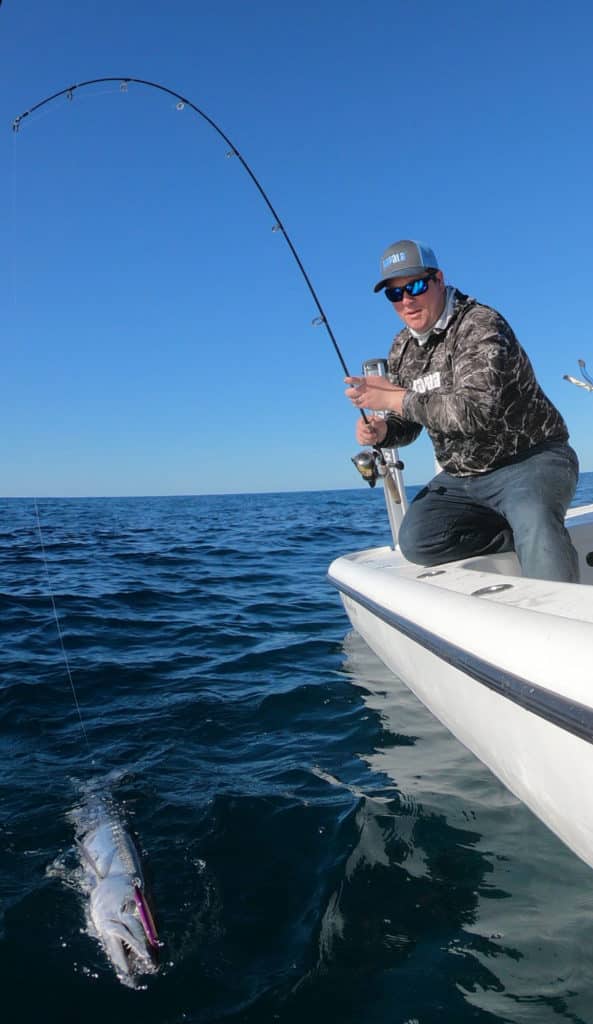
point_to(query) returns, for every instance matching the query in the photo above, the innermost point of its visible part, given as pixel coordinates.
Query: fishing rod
(183, 102)
(365, 467)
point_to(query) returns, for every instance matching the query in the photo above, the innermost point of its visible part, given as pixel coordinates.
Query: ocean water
(317, 846)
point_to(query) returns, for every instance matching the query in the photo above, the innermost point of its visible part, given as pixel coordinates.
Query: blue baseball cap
(405, 259)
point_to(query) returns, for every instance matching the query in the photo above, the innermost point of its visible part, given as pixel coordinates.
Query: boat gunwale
(563, 712)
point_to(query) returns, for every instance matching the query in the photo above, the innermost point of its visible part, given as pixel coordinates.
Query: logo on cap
(395, 257)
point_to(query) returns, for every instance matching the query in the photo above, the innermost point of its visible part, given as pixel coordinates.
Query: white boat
(504, 662)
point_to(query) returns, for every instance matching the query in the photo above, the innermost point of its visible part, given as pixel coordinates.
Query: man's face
(420, 312)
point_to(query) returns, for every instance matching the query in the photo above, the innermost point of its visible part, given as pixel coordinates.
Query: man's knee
(424, 540)
(407, 546)
(414, 543)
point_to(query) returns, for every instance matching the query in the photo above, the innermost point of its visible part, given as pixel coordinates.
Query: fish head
(128, 939)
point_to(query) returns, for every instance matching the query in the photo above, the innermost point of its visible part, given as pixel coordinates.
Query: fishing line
(13, 226)
(37, 516)
(59, 626)
(183, 102)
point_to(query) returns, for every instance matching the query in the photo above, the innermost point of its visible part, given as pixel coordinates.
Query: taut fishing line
(35, 505)
(59, 625)
(182, 102)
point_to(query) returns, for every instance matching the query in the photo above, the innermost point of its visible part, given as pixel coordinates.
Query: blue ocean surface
(318, 848)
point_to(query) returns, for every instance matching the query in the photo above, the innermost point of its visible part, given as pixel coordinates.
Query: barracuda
(118, 908)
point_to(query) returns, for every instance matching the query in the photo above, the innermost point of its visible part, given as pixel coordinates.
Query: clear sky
(157, 332)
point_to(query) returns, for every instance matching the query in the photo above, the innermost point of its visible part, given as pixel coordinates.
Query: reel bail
(371, 465)
(366, 464)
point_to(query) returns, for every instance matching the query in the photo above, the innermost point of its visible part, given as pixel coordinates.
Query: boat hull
(504, 663)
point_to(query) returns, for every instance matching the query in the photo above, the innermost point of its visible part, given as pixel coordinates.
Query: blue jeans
(519, 506)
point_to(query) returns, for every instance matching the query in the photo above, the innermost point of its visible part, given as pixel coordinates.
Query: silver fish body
(118, 909)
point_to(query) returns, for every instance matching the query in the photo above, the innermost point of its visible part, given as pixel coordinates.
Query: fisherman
(507, 472)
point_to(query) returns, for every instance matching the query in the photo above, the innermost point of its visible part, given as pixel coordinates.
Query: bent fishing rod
(366, 467)
(183, 102)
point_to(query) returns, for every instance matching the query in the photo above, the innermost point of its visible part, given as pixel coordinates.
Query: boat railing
(384, 463)
(587, 380)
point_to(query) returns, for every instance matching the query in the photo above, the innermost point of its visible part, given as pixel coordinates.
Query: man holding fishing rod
(508, 474)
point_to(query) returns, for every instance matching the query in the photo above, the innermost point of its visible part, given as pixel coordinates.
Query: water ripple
(317, 846)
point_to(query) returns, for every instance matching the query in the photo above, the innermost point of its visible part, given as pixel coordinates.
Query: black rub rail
(566, 714)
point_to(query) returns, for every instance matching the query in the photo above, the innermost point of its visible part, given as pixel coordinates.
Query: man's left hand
(375, 393)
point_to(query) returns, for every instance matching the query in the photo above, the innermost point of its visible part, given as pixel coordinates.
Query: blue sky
(157, 332)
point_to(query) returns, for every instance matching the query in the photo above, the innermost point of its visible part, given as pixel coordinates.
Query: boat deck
(498, 578)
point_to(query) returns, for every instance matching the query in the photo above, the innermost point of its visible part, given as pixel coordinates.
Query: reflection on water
(510, 898)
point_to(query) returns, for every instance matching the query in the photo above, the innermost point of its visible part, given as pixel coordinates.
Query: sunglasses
(417, 287)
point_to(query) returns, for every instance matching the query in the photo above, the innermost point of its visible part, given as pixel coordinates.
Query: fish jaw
(127, 950)
(115, 917)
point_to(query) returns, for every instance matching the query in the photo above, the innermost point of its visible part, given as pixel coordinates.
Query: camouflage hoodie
(474, 389)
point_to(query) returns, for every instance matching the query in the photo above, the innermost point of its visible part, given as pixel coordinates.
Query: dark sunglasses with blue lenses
(413, 288)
